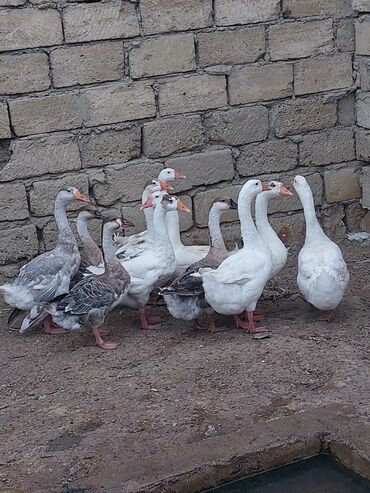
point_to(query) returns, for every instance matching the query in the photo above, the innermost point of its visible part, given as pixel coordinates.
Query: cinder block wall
(102, 95)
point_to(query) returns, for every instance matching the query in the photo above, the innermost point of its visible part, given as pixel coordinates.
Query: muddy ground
(76, 418)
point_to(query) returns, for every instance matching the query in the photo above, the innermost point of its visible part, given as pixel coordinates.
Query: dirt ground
(75, 418)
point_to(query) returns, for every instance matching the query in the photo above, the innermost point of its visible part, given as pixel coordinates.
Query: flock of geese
(67, 287)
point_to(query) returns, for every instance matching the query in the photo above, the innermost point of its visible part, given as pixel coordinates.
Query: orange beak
(179, 176)
(285, 191)
(265, 187)
(165, 186)
(148, 203)
(81, 196)
(181, 206)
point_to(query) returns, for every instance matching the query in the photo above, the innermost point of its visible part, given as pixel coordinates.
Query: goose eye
(272, 185)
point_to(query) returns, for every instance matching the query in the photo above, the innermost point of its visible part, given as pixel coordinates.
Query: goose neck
(248, 229)
(111, 262)
(314, 231)
(83, 231)
(60, 216)
(173, 228)
(216, 240)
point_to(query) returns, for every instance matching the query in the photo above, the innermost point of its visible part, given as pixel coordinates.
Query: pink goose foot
(145, 325)
(101, 343)
(249, 326)
(53, 329)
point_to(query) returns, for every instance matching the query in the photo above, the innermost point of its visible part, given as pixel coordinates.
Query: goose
(49, 274)
(279, 252)
(154, 264)
(322, 272)
(185, 296)
(90, 253)
(237, 284)
(91, 299)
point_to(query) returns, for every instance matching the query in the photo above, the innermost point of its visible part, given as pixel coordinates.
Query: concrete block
(304, 8)
(45, 113)
(193, 93)
(231, 47)
(12, 3)
(355, 215)
(163, 55)
(110, 147)
(267, 157)
(118, 102)
(29, 28)
(100, 20)
(87, 64)
(36, 157)
(363, 109)
(346, 110)
(4, 122)
(20, 73)
(262, 83)
(332, 146)
(363, 144)
(43, 193)
(204, 168)
(19, 243)
(242, 12)
(126, 182)
(238, 126)
(361, 5)
(323, 74)
(342, 184)
(203, 200)
(332, 221)
(345, 35)
(304, 115)
(300, 39)
(161, 15)
(166, 136)
(13, 202)
(364, 72)
(362, 27)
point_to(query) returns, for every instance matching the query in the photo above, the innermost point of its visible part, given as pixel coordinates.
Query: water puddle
(319, 474)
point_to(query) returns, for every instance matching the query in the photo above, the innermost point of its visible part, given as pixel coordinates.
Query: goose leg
(50, 328)
(249, 326)
(326, 316)
(145, 324)
(198, 326)
(211, 326)
(101, 343)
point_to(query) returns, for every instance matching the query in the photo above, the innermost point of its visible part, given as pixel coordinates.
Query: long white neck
(110, 260)
(148, 213)
(64, 229)
(162, 240)
(314, 231)
(217, 242)
(173, 229)
(250, 235)
(264, 228)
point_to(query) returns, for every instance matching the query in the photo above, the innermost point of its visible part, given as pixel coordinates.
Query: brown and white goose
(48, 275)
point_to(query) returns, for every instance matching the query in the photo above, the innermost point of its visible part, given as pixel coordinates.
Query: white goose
(154, 264)
(322, 272)
(238, 282)
(279, 252)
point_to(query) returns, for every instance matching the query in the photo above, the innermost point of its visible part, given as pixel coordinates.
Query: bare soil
(76, 418)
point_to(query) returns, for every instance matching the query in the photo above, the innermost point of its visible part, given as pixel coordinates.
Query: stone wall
(102, 95)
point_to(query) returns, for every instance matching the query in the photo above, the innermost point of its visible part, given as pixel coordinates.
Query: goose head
(252, 188)
(278, 188)
(70, 194)
(168, 202)
(90, 212)
(224, 204)
(115, 221)
(170, 174)
(157, 185)
(302, 187)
